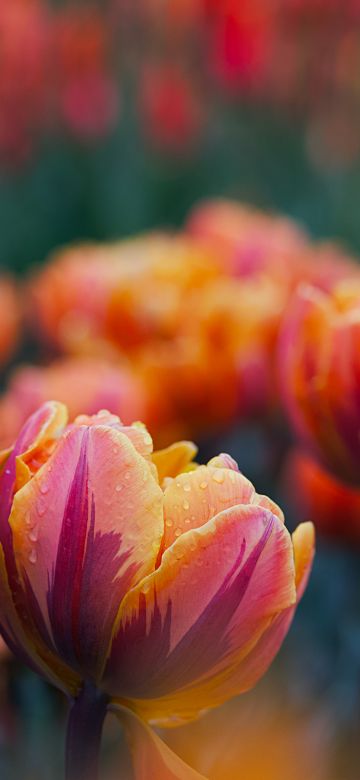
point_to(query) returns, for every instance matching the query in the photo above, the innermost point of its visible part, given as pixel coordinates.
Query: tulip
(138, 582)
(9, 318)
(331, 505)
(320, 374)
(250, 242)
(82, 384)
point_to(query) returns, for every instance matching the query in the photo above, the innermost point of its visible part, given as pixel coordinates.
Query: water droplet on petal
(186, 505)
(178, 532)
(168, 523)
(187, 487)
(33, 535)
(203, 485)
(118, 488)
(33, 556)
(218, 476)
(44, 489)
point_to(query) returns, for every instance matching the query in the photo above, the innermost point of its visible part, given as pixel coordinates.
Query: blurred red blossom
(333, 506)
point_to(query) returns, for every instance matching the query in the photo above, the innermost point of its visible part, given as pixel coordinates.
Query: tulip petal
(137, 432)
(174, 459)
(86, 528)
(193, 498)
(185, 629)
(264, 652)
(16, 624)
(151, 756)
(24, 642)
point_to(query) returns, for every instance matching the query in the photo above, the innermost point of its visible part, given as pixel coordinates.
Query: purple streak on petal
(84, 590)
(65, 579)
(141, 659)
(101, 593)
(27, 436)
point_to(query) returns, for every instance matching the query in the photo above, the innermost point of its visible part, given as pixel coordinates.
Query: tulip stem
(83, 738)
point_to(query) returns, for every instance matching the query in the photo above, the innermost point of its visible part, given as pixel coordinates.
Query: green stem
(83, 738)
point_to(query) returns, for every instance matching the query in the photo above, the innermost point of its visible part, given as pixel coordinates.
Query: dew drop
(7, 471)
(186, 505)
(168, 523)
(33, 535)
(44, 489)
(178, 532)
(187, 487)
(40, 508)
(203, 485)
(118, 488)
(218, 476)
(33, 556)
(187, 520)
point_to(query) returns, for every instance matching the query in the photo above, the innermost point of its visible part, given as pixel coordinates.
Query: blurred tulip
(87, 90)
(320, 497)
(294, 744)
(170, 108)
(250, 242)
(124, 293)
(9, 318)
(82, 384)
(320, 374)
(101, 545)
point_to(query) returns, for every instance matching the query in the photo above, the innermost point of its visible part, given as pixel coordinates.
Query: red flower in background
(170, 108)
(86, 85)
(320, 497)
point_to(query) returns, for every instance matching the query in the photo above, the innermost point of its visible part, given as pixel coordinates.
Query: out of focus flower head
(10, 316)
(320, 373)
(177, 305)
(125, 293)
(333, 506)
(293, 745)
(170, 305)
(251, 242)
(81, 383)
(24, 47)
(86, 86)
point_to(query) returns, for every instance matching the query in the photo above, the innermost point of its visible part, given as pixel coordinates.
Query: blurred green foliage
(118, 186)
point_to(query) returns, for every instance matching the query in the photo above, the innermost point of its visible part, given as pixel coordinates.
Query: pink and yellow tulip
(319, 369)
(138, 581)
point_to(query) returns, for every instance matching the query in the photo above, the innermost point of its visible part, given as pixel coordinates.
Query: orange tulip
(320, 373)
(82, 384)
(333, 506)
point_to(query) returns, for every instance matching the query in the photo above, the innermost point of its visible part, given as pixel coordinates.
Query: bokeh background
(116, 118)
